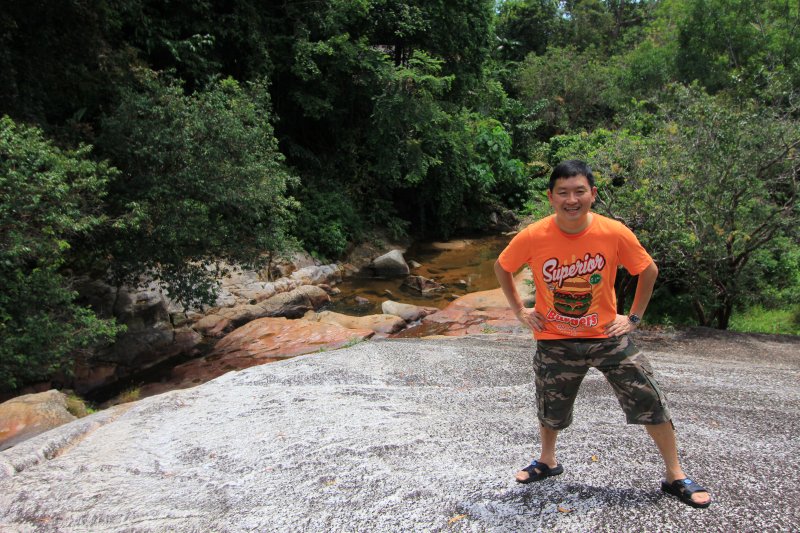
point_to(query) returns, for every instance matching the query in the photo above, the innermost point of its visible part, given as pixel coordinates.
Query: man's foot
(688, 492)
(536, 471)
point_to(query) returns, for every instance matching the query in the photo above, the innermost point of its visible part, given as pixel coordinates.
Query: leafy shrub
(48, 199)
(202, 180)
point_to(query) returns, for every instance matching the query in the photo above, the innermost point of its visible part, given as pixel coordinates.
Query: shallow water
(462, 266)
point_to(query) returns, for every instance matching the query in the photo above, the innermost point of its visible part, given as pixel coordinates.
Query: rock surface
(292, 304)
(423, 284)
(26, 416)
(474, 313)
(421, 435)
(261, 341)
(380, 324)
(391, 264)
(407, 312)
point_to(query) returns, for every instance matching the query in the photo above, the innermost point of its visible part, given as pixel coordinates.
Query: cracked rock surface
(422, 435)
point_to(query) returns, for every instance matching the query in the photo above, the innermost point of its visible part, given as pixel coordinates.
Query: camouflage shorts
(560, 366)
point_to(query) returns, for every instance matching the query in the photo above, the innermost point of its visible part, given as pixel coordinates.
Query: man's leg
(630, 375)
(664, 437)
(548, 455)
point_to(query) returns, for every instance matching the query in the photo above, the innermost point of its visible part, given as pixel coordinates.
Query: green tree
(49, 198)
(738, 44)
(711, 189)
(526, 26)
(572, 90)
(202, 181)
(450, 165)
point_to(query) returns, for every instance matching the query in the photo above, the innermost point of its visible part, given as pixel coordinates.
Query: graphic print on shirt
(572, 286)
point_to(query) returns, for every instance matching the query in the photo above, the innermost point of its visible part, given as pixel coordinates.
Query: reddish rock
(26, 416)
(264, 340)
(407, 312)
(477, 312)
(380, 324)
(452, 245)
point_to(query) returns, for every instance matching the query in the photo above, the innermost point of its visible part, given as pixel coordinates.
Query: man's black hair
(570, 169)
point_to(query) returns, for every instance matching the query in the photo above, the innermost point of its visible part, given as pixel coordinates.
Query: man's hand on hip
(531, 318)
(619, 326)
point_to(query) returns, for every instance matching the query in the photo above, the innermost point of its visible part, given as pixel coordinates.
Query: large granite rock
(421, 435)
(26, 416)
(381, 324)
(151, 336)
(158, 329)
(260, 341)
(391, 264)
(475, 313)
(292, 304)
(407, 312)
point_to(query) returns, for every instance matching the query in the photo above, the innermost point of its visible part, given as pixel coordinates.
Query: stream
(462, 266)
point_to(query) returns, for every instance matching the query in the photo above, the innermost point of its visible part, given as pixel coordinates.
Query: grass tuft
(760, 320)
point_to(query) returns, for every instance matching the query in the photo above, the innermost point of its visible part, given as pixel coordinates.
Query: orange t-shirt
(574, 274)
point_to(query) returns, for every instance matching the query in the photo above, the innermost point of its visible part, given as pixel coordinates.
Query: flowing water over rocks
(462, 266)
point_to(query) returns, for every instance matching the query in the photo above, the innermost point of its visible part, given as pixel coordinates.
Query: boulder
(476, 313)
(422, 284)
(380, 324)
(295, 303)
(292, 304)
(261, 341)
(391, 264)
(503, 220)
(26, 416)
(407, 312)
(150, 337)
(452, 245)
(317, 275)
(285, 266)
(213, 325)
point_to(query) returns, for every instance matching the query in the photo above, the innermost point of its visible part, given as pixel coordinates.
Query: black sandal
(683, 490)
(544, 472)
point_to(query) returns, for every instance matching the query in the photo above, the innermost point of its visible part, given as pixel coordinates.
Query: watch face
(634, 318)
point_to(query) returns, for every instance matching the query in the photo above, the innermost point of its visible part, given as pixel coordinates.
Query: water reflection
(462, 266)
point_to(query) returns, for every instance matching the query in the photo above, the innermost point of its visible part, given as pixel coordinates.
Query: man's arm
(644, 290)
(529, 317)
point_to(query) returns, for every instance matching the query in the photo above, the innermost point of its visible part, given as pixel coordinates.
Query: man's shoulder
(609, 224)
(539, 226)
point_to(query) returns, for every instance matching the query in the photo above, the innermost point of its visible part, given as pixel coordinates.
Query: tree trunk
(724, 314)
(700, 312)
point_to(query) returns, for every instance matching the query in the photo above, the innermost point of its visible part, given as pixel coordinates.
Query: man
(573, 255)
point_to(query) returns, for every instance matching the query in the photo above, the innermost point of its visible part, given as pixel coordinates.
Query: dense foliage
(169, 137)
(225, 198)
(50, 197)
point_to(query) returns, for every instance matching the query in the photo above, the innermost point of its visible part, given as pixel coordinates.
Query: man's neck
(575, 226)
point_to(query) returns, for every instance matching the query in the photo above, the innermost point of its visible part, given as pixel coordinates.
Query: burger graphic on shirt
(573, 298)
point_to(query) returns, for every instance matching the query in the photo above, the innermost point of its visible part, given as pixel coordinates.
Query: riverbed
(462, 266)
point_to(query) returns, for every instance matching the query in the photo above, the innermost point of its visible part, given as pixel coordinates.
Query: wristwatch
(634, 318)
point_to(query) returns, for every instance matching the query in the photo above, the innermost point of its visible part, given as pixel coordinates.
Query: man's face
(572, 198)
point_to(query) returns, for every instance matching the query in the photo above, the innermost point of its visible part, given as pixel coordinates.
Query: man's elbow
(499, 271)
(652, 270)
